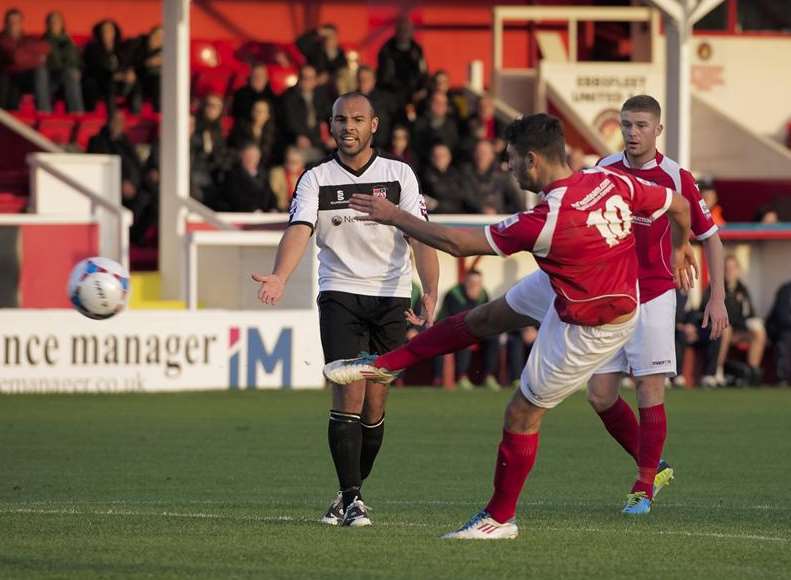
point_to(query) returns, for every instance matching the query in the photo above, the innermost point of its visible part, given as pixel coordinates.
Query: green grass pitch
(231, 485)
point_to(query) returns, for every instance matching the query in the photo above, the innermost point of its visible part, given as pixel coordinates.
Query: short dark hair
(540, 133)
(643, 104)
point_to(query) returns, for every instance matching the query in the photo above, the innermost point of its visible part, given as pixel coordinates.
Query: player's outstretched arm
(715, 312)
(289, 252)
(455, 241)
(685, 265)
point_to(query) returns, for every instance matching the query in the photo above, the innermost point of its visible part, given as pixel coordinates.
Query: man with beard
(365, 283)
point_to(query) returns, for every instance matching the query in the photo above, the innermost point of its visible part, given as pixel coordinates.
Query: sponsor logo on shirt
(642, 220)
(338, 220)
(704, 208)
(590, 200)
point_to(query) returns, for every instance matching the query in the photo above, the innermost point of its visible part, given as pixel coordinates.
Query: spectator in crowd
(247, 187)
(283, 179)
(384, 103)
(256, 89)
(112, 140)
(745, 326)
(518, 344)
(63, 63)
(767, 215)
(323, 52)
(109, 72)
(305, 111)
(259, 128)
(400, 147)
(778, 326)
(209, 150)
(689, 332)
(148, 64)
(457, 102)
(444, 187)
(436, 125)
(485, 125)
(709, 195)
(465, 296)
(201, 181)
(495, 190)
(23, 67)
(401, 67)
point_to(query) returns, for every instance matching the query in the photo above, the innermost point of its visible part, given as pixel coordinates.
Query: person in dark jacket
(22, 65)
(323, 52)
(778, 326)
(210, 155)
(247, 187)
(401, 66)
(258, 128)
(256, 89)
(465, 296)
(745, 325)
(384, 103)
(495, 190)
(444, 187)
(436, 125)
(63, 63)
(112, 140)
(304, 110)
(147, 62)
(109, 71)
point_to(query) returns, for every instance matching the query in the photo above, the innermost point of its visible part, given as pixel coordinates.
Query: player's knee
(602, 399)
(521, 416)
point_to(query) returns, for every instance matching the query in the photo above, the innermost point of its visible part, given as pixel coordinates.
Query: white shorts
(652, 348)
(531, 296)
(565, 356)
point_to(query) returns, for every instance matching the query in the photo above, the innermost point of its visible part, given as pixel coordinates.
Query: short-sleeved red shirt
(581, 236)
(652, 237)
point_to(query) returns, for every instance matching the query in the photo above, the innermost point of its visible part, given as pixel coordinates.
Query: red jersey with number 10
(652, 236)
(581, 236)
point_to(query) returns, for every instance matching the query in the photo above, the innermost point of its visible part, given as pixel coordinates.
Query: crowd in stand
(453, 141)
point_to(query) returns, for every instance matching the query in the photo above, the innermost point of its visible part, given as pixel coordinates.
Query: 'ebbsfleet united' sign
(149, 351)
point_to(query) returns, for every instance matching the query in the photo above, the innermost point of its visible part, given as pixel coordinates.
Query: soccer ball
(98, 287)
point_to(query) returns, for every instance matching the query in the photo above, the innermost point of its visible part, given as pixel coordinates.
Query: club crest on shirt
(379, 192)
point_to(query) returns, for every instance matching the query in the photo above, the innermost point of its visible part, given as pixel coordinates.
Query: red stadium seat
(210, 81)
(57, 128)
(140, 129)
(89, 126)
(227, 124)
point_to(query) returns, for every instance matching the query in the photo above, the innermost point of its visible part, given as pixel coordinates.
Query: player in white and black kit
(365, 280)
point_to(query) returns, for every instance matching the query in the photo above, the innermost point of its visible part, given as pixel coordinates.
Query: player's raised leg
(524, 303)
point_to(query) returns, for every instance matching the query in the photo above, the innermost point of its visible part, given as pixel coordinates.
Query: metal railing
(114, 240)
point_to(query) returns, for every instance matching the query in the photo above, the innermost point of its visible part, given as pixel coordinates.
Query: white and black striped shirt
(358, 257)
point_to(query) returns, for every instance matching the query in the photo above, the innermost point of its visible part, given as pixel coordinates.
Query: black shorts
(352, 323)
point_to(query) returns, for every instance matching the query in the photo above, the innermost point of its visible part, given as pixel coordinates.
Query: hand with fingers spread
(375, 208)
(685, 267)
(716, 314)
(271, 288)
(426, 318)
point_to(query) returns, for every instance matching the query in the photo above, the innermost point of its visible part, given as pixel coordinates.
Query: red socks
(448, 335)
(621, 423)
(653, 430)
(515, 458)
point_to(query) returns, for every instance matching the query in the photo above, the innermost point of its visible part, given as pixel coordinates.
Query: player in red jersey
(650, 355)
(581, 237)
